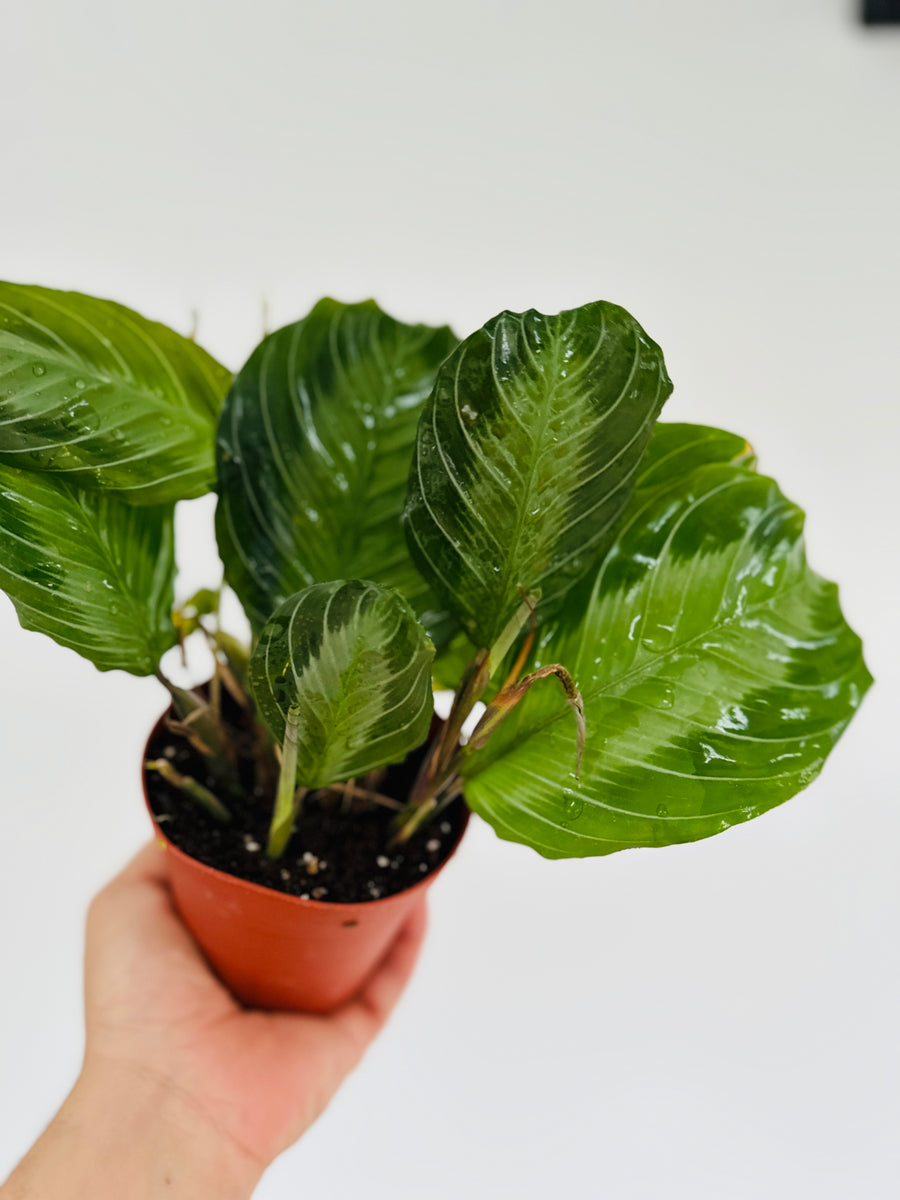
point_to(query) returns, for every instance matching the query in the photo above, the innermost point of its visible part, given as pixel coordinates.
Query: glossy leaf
(92, 572)
(314, 448)
(95, 393)
(677, 448)
(350, 658)
(526, 455)
(717, 673)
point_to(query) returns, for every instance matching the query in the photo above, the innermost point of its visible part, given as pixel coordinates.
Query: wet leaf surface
(97, 394)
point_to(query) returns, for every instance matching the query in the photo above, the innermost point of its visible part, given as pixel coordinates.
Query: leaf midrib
(143, 622)
(141, 335)
(367, 461)
(68, 356)
(534, 458)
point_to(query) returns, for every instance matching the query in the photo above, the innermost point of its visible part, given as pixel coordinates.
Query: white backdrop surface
(711, 1021)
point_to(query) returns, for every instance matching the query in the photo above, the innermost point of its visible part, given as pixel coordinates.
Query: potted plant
(620, 606)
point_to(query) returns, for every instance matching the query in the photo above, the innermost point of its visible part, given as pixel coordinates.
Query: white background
(710, 1021)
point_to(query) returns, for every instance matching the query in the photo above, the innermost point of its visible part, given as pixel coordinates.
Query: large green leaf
(94, 573)
(674, 450)
(94, 391)
(717, 673)
(526, 455)
(677, 448)
(353, 663)
(314, 448)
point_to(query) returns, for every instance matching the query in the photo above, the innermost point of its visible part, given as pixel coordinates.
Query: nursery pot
(278, 951)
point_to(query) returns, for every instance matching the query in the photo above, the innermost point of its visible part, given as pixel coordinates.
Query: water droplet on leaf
(572, 805)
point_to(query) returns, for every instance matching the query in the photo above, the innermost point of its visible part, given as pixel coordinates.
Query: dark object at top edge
(881, 12)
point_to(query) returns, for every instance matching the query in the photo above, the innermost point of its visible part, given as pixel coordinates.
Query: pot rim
(261, 888)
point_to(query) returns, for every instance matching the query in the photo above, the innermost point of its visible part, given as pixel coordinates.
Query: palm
(261, 1078)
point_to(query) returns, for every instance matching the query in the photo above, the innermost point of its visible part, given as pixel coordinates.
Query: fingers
(134, 915)
(363, 1017)
(330, 1046)
(147, 866)
(385, 987)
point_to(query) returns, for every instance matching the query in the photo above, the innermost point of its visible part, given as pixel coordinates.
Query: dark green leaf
(95, 392)
(352, 660)
(94, 573)
(674, 450)
(717, 673)
(526, 455)
(314, 448)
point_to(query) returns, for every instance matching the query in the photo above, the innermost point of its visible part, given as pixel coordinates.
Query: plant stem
(505, 701)
(190, 787)
(289, 798)
(500, 649)
(445, 772)
(438, 768)
(432, 776)
(411, 820)
(199, 724)
(469, 692)
(237, 656)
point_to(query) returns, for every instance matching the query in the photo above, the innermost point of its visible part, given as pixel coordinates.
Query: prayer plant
(397, 507)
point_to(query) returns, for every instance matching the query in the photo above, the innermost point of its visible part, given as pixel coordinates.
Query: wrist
(123, 1132)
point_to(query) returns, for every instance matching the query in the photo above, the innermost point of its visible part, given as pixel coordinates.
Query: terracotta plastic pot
(276, 951)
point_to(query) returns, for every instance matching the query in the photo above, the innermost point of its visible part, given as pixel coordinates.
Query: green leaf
(92, 572)
(717, 673)
(676, 448)
(351, 660)
(314, 448)
(95, 392)
(526, 455)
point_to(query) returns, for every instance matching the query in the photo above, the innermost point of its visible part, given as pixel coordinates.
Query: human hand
(190, 1079)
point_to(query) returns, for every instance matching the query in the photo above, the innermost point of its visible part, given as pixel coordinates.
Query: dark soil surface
(334, 854)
